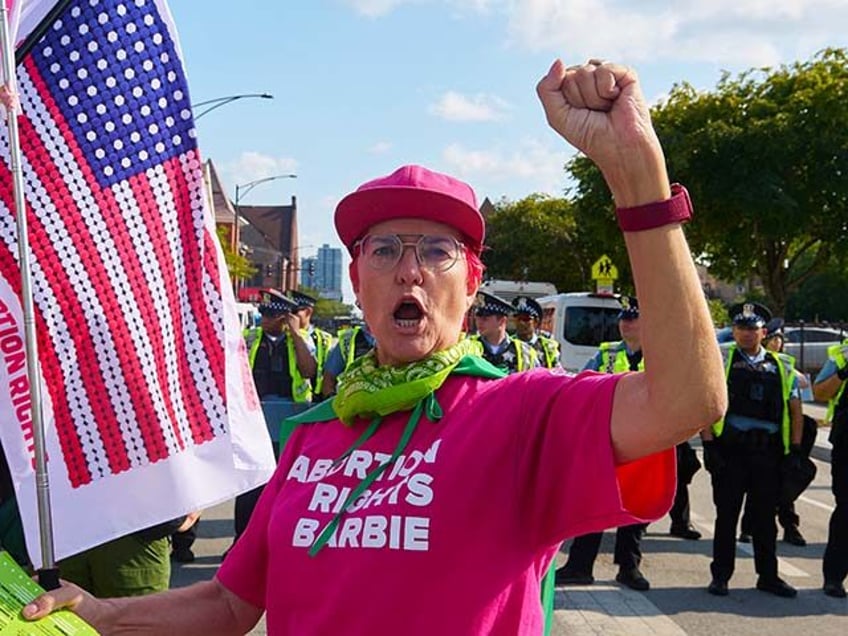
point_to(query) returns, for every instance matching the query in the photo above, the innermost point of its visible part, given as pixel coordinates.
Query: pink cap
(411, 192)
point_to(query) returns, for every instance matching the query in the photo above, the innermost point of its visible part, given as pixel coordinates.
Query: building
(323, 272)
(265, 234)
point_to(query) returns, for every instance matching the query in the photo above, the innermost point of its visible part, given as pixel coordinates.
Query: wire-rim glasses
(437, 253)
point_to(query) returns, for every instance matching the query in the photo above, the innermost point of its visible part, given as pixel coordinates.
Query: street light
(242, 190)
(222, 101)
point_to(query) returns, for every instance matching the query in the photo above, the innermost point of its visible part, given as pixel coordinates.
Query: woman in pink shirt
(432, 493)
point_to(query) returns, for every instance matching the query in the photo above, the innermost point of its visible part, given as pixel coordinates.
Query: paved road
(678, 570)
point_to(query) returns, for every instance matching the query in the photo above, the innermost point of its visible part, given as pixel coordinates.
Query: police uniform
(546, 348)
(611, 357)
(322, 340)
(786, 514)
(745, 454)
(353, 342)
(510, 354)
(835, 563)
(281, 388)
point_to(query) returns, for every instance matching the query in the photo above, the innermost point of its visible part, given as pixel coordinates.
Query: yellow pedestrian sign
(605, 273)
(604, 269)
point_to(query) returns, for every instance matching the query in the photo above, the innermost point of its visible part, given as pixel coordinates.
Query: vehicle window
(591, 326)
(816, 335)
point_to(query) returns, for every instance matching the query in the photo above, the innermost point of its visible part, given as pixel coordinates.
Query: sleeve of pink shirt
(566, 467)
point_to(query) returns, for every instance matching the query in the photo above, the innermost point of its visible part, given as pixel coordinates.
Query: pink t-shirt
(455, 537)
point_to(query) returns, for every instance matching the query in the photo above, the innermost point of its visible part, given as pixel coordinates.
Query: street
(678, 570)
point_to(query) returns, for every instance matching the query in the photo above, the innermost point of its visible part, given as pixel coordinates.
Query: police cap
(273, 303)
(750, 314)
(300, 299)
(774, 327)
(487, 304)
(526, 305)
(629, 308)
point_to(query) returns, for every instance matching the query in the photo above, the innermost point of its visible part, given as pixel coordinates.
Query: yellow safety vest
(834, 352)
(301, 387)
(323, 344)
(614, 358)
(785, 363)
(525, 355)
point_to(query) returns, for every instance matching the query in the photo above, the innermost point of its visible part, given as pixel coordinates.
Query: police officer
(282, 360)
(322, 341)
(830, 385)
(612, 357)
(786, 514)
(528, 316)
(503, 351)
(353, 342)
(744, 451)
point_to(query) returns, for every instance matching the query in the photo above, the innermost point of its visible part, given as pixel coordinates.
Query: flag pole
(48, 574)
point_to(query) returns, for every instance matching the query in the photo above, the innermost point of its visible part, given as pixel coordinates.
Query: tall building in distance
(323, 272)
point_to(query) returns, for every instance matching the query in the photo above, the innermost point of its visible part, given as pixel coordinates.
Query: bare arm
(205, 609)
(600, 110)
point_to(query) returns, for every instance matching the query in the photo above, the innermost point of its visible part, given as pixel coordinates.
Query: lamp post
(222, 101)
(242, 190)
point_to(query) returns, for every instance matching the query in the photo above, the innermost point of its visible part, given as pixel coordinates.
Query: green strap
(424, 405)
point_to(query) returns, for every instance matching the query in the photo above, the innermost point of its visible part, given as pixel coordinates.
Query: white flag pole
(48, 575)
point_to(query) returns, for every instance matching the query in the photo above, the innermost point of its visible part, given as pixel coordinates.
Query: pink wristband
(677, 209)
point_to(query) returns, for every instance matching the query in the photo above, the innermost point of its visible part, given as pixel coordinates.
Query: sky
(363, 86)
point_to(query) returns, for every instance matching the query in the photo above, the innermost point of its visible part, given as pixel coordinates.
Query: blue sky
(364, 86)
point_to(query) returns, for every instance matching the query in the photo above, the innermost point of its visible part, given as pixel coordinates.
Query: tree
(765, 158)
(534, 239)
(237, 265)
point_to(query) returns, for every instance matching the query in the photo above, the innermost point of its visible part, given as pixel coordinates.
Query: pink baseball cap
(411, 192)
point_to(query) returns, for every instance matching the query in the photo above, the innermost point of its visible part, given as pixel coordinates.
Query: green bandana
(368, 390)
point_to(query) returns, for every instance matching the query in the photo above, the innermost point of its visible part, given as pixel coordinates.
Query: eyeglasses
(383, 251)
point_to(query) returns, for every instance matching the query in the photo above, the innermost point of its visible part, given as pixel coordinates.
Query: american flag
(125, 270)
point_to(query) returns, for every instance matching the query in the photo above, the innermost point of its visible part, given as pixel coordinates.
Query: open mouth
(408, 313)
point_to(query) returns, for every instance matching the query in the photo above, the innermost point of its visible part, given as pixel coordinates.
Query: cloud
(530, 167)
(254, 165)
(747, 32)
(480, 107)
(380, 148)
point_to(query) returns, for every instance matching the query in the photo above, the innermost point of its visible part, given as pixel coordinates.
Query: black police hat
(275, 303)
(629, 308)
(750, 314)
(526, 305)
(774, 327)
(301, 300)
(487, 304)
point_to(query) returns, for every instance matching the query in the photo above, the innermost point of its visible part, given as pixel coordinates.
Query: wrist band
(842, 373)
(677, 209)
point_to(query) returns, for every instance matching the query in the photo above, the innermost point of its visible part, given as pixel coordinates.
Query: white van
(579, 322)
(508, 290)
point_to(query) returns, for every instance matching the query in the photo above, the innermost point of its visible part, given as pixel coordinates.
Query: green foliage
(326, 308)
(765, 157)
(237, 265)
(718, 312)
(536, 239)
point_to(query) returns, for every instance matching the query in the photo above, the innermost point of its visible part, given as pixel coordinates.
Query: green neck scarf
(369, 391)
